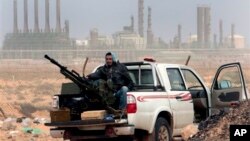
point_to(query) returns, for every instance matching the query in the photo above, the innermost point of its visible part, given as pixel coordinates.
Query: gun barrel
(47, 57)
(53, 61)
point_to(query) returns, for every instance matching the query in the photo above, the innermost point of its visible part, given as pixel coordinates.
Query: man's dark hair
(109, 53)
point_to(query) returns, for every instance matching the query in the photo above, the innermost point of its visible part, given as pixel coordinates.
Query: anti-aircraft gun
(88, 97)
(81, 82)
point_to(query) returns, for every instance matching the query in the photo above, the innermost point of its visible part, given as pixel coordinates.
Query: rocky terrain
(216, 128)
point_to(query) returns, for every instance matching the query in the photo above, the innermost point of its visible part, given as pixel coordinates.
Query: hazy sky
(110, 16)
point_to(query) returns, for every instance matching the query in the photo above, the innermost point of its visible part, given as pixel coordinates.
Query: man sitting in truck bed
(114, 76)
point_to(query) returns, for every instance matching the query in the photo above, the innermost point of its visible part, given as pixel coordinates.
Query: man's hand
(87, 76)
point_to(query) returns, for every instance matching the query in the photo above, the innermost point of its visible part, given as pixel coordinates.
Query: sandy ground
(27, 99)
(26, 90)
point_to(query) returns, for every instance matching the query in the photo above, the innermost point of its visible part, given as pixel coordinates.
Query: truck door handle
(178, 97)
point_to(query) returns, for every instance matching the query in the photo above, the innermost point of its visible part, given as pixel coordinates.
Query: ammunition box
(98, 114)
(60, 115)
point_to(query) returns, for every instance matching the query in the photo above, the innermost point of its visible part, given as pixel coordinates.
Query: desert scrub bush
(9, 98)
(20, 97)
(27, 109)
(45, 89)
(38, 99)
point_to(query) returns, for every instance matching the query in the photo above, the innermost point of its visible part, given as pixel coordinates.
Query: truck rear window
(145, 79)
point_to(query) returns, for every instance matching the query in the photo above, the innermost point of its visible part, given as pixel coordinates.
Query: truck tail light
(109, 131)
(55, 102)
(131, 104)
(235, 104)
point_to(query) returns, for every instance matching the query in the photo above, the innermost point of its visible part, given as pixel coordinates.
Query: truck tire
(161, 131)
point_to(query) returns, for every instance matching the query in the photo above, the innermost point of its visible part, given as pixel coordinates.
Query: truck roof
(154, 63)
(131, 64)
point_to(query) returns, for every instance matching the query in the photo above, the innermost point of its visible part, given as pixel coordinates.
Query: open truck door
(228, 87)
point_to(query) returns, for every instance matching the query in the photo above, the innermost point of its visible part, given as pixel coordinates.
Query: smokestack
(232, 36)
(221, 33)
(149, 19)
(47, 27)
(215, 41)
(36, 26)
(140, 17)
(200, 26)
(132, 23)
(25, 28)
(149, 30)
(67, 27)
(15, 25)
(179, 35)
(58, 16)
(207, 24)
(203, 26)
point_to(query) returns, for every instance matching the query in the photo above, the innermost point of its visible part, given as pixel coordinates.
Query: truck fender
(156, 114)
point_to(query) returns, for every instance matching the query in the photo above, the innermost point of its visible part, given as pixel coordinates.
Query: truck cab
(181, 96)
(166, 98)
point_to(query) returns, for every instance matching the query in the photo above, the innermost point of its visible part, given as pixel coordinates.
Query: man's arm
(96, 75)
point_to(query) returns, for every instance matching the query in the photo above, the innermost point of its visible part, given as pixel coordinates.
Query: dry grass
(32, 85)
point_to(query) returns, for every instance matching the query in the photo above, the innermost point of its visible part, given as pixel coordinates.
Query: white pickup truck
(167, 97)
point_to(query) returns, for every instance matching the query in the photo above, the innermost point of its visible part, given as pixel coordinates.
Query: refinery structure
(38, 38)
(34, 40)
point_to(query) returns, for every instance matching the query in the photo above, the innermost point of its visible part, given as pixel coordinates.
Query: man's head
(109, 58)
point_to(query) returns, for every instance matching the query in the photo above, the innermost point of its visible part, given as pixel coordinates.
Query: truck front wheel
(161, 131)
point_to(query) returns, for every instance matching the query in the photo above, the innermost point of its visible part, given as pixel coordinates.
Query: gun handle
(76, 73)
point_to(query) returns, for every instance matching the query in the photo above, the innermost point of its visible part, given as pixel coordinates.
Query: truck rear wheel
(161, 131)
